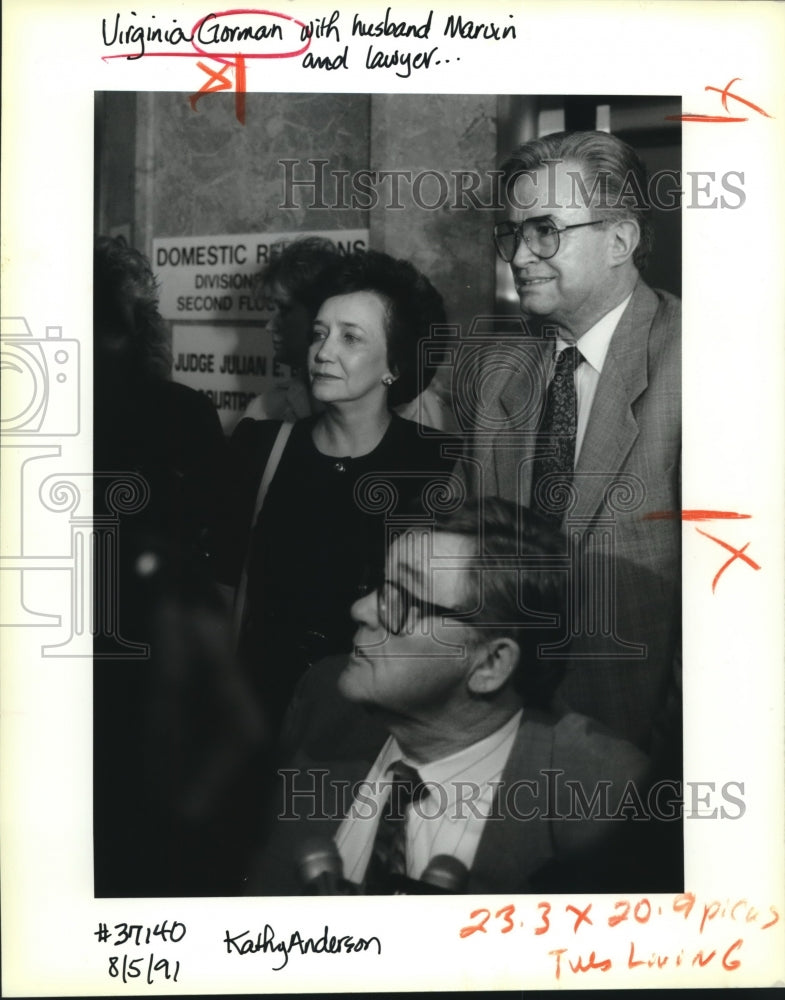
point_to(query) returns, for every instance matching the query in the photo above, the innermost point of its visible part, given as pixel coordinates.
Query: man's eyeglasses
(398, 607)
(540, 235)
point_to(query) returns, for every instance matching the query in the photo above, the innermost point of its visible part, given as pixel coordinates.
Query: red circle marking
(220, 56)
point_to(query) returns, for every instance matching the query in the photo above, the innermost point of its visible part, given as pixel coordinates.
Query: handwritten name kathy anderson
(328, 944)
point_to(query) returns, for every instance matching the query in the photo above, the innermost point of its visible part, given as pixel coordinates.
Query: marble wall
(451, 241)
(208, 173)
(202, 172)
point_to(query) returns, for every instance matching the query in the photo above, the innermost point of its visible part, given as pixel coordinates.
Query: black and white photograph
(374, 538)
(391, 498)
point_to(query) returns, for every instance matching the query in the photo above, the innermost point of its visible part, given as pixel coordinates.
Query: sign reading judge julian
(210, 290)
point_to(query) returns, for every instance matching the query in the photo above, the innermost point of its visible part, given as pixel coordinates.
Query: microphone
(446, 873)
(443, 875)
(321, 869)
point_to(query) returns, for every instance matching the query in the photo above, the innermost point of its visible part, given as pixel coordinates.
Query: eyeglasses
(395, 605)
(540, 235)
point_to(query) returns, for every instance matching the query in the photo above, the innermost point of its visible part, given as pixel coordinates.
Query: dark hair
(413, 307)
(125, 307)
(527, 584)
(303, 269)
(606, 162)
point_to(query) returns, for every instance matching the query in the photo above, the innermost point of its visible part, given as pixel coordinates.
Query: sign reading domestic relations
(210, 291)
(214, 277)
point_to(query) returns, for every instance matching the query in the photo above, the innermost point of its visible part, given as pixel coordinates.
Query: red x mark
(724, 93)
(694, 515)
(218, 82)
(583, 916)
(737, 554)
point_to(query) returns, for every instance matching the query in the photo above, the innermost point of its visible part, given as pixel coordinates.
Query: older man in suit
(587, 427)
(433, 762)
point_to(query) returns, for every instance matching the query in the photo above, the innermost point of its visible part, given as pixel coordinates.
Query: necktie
(388, 856)
(556, 446)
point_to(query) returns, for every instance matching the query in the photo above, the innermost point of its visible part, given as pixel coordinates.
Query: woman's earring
(388, 380)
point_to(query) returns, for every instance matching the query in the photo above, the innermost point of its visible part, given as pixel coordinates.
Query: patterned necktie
(556, 449)
(388, 856)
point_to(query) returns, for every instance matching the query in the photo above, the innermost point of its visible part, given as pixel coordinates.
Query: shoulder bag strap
(267, 477)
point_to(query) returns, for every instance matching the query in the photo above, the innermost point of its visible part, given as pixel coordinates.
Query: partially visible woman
(144, 422)
(321, 530)
(175, 731)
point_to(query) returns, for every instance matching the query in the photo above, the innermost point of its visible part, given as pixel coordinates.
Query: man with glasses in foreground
(427, 761)
(587, 428)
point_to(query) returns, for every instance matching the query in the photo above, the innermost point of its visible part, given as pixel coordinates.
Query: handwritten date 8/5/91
(126, 968)
(147, 968)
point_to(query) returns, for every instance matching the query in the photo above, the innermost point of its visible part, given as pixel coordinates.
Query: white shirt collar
(481, 761)
(445, 830)
(594, 344)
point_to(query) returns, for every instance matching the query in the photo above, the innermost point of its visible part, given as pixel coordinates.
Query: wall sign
(220, 342)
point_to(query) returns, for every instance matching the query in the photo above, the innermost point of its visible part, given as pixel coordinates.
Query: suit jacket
(626, 476)
(515, 854)
(433, 406)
